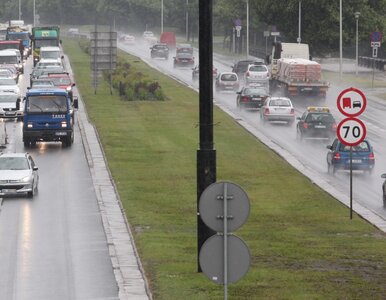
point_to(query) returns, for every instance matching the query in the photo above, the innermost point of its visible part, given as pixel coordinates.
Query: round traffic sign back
(211, 206)
(351, 102)
(351, 131)
(212, 258)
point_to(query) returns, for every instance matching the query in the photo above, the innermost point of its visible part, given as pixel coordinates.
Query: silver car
(18, 174)
(277, 109)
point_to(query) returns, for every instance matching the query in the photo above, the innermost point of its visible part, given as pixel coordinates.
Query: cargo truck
(48, 116)
(294, 74)
(44, 36)
(19, 33)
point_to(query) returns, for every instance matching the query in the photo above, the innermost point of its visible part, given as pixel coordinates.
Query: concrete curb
(127, 267)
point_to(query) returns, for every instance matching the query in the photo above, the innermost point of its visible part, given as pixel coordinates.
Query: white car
(18, 174)
(149, 37)
(10, 105)
(277, 109)
(51, 52)
(257, 74)
(48, 63)
(9, 85)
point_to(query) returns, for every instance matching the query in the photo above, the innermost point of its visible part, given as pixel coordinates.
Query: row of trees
(320, 18)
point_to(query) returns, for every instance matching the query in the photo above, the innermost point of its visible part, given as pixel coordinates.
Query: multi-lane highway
(308, 157)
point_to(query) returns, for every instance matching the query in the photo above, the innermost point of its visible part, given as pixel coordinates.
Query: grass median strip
(302, 243)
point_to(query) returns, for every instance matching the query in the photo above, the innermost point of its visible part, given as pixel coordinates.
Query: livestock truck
(44, 36)
(293, 73)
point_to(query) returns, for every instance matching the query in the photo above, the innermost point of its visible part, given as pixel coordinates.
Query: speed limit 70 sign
(351, 131)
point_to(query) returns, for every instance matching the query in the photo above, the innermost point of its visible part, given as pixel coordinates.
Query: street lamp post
(247, 28)
(356, 14)
(19, 9)
(187, 20)
(162, 16)
(340, 40)
(34, 12)
(300, 23)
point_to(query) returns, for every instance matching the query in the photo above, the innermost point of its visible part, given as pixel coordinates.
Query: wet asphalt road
(54, 246)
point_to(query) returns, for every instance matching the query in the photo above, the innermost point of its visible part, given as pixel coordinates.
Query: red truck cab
(168, 38)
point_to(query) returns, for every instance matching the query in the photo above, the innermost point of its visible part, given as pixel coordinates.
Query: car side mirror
(35, 168)
(383, 175)
(329, 147)
(62, 57)
(73, 84)
(75, 102)
(24, 98)
(298, 118)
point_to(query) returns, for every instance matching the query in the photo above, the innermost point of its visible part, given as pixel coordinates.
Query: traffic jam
(288, 103)
(42, 100)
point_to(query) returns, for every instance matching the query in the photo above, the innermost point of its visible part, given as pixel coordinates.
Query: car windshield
(320, 117)
(5, 98)
(43, 43)
(279, 102)
(258, 68)
(42, 83)
(362, 147)
(160, 47)
(7, 81)
(5, 46)
(46, 104)
(13, 163)
(11, 59)
(254, 91)
(60, 80)
(18, 36)
(50, 54)
(228, 77)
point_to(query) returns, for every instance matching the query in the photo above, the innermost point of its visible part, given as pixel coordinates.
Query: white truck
(294, 74)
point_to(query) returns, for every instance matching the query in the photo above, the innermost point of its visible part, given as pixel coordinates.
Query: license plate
(255, 99)
(356, 161)
(61, 133)
(10, 113)
(320, 126)
(8, 191)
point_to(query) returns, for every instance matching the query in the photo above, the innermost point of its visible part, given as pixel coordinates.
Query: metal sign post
(224, 258)
(351, 131)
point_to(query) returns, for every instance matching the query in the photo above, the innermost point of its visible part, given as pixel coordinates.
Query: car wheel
(31, 193)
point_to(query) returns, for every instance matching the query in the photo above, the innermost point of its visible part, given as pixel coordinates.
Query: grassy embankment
(302, 243)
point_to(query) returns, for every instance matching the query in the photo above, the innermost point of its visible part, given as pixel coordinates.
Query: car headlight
(68, 89)
(25, 179)
(64, 124)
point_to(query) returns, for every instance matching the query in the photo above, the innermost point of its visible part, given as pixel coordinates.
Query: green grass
(302, 243)
(361, 81)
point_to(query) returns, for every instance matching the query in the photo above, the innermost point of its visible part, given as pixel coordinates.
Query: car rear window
(258, 68)
(228, 77)
(362, 147)
(279, 102)
(320, 117)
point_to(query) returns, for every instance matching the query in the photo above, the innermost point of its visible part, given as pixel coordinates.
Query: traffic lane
(311, 155)
(58, 234)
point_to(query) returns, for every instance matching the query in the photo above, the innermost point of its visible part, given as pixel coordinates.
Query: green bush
(133, 85)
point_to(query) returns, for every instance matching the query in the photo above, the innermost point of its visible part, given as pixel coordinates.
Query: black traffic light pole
(206, 155)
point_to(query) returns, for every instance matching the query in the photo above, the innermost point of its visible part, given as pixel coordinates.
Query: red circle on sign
(341, 108)
(345, 140)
